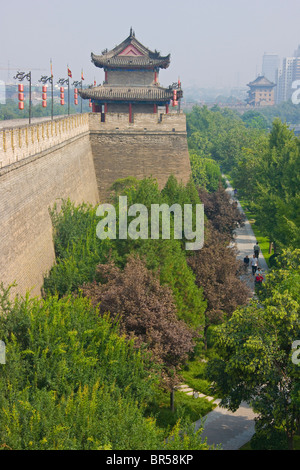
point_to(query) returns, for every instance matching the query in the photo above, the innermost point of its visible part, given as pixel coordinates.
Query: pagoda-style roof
(108, 93)
(261, 81)
(131, 54)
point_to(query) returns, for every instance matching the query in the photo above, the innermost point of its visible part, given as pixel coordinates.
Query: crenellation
(23, 142)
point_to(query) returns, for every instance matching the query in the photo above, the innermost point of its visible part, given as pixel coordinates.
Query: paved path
(227, 430)
(223, 428)
(244, 242)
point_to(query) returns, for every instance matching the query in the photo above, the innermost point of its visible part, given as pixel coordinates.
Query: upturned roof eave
(130, 62)
(132, 93)
(101, 61)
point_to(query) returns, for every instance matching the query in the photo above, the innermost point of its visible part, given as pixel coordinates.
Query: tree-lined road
(222, 427)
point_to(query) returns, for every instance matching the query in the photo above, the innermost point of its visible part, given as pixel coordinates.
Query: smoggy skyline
(213, 44)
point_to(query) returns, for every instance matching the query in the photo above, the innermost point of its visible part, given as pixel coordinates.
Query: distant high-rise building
(297, 52)
(270, 67)
(288, 73)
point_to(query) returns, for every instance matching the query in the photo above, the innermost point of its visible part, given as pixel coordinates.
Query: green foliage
(219, 135)
(206, 172)
(10, 110)
(79, 251)
(268, 176)
(194, 374)
(187, 409)
(255, 352)
(71, 382)
(286, 112)
(255, 119)
(269, 439)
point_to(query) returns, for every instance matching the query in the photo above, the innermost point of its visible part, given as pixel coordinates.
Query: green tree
(254, 350)
(269, 177)
(72, 382)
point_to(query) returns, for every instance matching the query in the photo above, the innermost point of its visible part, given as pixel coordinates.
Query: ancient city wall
(28, 188)
(22, 142)
(78, 157)
(152, 145)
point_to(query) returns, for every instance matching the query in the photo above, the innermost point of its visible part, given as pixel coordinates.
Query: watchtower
(131, 83)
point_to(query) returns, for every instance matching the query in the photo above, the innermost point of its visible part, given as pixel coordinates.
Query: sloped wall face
(153, 145)
(28, 189)
(77, 158)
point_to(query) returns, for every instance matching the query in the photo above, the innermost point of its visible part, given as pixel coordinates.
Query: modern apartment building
(270, 66)
(288, 73)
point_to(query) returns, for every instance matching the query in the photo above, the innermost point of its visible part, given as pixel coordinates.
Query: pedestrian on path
(246, 263)
(254, 264)
(258, 279)
(256, 250)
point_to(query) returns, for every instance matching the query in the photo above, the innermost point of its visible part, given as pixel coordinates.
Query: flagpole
(68, 96)
(52, 98)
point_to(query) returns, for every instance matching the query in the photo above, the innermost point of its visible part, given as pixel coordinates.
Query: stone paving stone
(181, 386)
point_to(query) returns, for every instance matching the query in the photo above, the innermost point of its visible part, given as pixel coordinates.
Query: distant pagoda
(131, 81)
(261, 92)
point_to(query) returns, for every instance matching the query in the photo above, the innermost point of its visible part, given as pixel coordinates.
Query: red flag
(94, 82)
(51, 68)
(69, 72)
(82, 75)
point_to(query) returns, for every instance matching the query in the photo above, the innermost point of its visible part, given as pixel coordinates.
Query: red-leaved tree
(145, 310)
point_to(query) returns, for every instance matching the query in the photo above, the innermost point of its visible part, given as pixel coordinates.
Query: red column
(105, 75)
(130, 112)
(155, 109)
(167, 108)
(155, 77)
(93, 107)
(105, 108)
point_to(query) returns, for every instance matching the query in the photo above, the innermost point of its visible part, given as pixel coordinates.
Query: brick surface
(27, 190)
(75, 157)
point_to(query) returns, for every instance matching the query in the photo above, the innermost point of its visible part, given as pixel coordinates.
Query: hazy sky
(213, 43)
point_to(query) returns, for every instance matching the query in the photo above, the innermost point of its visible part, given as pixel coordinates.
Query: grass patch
(247, 446)
(262, 240)
(194, 375)
(187, 408)
(297, 443)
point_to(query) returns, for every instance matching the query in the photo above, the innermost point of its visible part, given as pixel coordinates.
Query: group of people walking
(253, 262)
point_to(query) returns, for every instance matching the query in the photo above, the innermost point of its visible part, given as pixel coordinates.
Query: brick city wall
(78, 157)
(28, 188)
(22, 142)
(153, 145)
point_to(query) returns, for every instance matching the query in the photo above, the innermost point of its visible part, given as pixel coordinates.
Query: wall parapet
(142, 122)
(21, 142)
